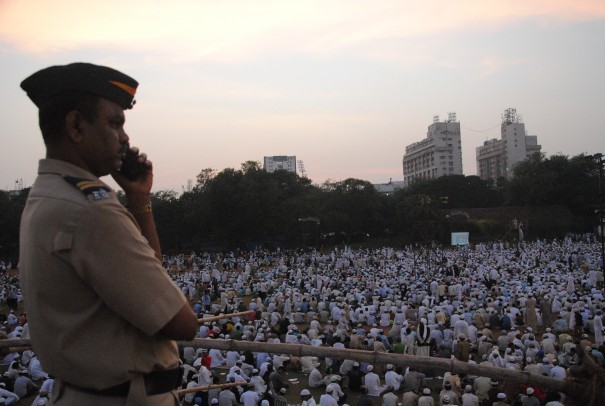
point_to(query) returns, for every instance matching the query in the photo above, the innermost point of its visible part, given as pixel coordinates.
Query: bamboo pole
(182, 392)
(374, 357)
(223, 316)
(17, 343)
(571, 388)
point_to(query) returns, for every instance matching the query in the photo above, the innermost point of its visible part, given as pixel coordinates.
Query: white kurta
(598, 330)
(372, 381)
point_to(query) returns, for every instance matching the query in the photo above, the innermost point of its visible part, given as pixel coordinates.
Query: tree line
(248, 208)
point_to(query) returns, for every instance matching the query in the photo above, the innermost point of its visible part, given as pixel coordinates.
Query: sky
(344, 85)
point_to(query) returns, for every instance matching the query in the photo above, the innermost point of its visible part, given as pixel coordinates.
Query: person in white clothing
(250, 397)
(35, 369)
(337, 392)
(10, 398)
(598, 328)
(47, 385)
(557, 372)
(426, 399)
(217, 358)
(231, 358)
(316, 380)
(372, 381)
(260, 386)
(188, 398)
(389, 398)
(469, 398)
(392, 378)
(306, 398)
(327, 399)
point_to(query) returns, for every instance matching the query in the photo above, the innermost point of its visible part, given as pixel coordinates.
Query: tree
(251, 167)
(249, 206)
(11, 208)
(168, 217)
(555, 180)
(459, 191)
(203, 179)
(354, 207)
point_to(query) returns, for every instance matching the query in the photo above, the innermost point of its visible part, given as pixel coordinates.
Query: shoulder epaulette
(96, 188)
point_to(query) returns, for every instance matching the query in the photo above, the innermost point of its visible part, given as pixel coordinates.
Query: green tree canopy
(248, 206)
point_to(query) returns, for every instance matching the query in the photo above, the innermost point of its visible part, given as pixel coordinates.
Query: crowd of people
(522, 306)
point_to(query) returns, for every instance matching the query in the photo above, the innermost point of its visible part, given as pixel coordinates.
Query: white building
(280, 162)
(497, 158)
(390, 187)
(439, 154)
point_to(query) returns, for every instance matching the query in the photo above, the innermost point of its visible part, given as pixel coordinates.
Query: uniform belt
(156, 382)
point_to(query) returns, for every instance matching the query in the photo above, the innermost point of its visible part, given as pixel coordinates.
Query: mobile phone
(131, 168)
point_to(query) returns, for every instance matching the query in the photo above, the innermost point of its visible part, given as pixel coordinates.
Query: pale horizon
(344, 86)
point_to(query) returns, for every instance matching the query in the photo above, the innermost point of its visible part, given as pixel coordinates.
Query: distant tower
(19, 184)
(496, 158)
(510, 116)
(301, 168)
(189, 184)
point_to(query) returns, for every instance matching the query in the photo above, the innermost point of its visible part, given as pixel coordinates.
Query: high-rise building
(497, 158)
(280, 162)
(439, 154)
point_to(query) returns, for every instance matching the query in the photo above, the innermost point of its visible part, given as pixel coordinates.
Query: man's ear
(73, 126)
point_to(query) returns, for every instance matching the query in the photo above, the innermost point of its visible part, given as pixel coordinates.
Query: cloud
(230, 31)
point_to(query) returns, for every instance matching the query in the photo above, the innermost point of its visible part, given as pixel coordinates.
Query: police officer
(90, 268)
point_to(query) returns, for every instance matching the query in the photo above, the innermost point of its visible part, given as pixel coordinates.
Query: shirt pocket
(63, 241)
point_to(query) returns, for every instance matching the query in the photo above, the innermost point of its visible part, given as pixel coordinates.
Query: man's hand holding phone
(132, 167)
(135, 176)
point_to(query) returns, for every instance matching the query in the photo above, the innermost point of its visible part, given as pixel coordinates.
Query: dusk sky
(343, 85)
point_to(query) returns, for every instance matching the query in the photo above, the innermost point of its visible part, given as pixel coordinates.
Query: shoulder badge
(97, 189)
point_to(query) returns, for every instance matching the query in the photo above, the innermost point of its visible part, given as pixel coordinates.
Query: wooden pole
(571, 388)
(224, 316)
(21, 342)
(374, 357)
(182, 392)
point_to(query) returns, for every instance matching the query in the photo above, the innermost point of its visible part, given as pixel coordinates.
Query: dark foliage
(249, 207)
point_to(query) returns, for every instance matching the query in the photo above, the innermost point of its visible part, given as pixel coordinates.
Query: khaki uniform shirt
(95, 294)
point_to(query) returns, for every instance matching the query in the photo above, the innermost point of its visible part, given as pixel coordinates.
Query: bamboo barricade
(15, 345)
(182, 392)
(571, 388)
(223, 316)
(373, 357)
